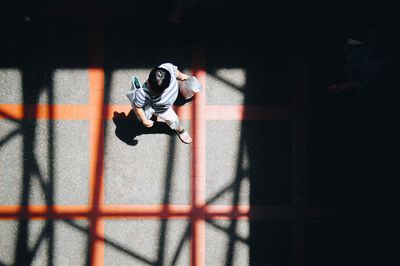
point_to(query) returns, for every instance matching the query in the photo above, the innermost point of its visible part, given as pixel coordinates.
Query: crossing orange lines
(169, 211)
(211, 112)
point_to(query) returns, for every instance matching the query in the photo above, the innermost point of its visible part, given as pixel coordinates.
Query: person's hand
(181, 76)
(185, 77)
(148, 123)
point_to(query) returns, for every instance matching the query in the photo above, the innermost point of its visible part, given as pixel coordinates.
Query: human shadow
(128, 127)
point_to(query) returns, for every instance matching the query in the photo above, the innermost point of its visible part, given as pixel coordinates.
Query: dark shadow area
(352, 169)
(36, 78)
(352, 166)
(354, 58)
(246, 38)
(352, 160)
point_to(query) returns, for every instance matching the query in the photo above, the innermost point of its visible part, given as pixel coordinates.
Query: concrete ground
(271, 178)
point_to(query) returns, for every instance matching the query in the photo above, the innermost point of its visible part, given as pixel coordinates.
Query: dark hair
(159, 79)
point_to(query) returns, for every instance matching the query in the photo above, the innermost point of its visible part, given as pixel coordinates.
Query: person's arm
(140, 113)
(181, 76)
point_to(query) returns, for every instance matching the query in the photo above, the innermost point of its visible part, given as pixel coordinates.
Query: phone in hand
(136, 82)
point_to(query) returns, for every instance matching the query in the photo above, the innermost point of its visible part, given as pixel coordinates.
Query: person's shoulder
(169, 66)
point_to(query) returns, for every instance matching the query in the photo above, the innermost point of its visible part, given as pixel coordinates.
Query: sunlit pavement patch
(144, 242)
(155, 171)
(58, 242)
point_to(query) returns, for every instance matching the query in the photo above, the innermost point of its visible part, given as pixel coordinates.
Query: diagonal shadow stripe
(233, 236)
(229, 187)
(240, 89)
(10, 135)
(43, 235)
(9, 117)
(117, 246)
(35, 171)
(166, 200)
(185, 237)
(231, 231)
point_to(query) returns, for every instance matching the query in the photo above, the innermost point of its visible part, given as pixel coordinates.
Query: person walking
(153, 100)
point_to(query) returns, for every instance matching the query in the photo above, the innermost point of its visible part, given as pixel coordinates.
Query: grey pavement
(67, 246)
(45, 162)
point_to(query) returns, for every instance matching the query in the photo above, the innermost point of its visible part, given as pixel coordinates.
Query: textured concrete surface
(226, 86)
(46, 162)
(144, 242)
(227, 168)
(237, 174)
(227, 242)
(155, 171)
(69, 86)
(239, 242)
(11, 85)
(51, 242)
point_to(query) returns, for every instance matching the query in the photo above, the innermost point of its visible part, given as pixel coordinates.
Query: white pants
(170, 118)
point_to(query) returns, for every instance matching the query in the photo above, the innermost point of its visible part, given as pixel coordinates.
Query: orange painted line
(96, 113)
(96, 133)
(241, 112)
(87, 112)
(221, 112)
(42, 111)
(211, 112)
(44, 212)
(213, 212)
(247, 212)
(111, 108)
(198, 226)
(147, 211)
(86, 212)
(11, 111)
(184, 112)
(227, 212)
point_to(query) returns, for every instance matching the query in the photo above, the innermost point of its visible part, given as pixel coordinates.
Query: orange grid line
(96, 143)
(211, 112)
(198, 172)
(166, 211)
(87, 112)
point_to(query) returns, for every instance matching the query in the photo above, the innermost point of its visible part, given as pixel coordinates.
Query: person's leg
(172, 120)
